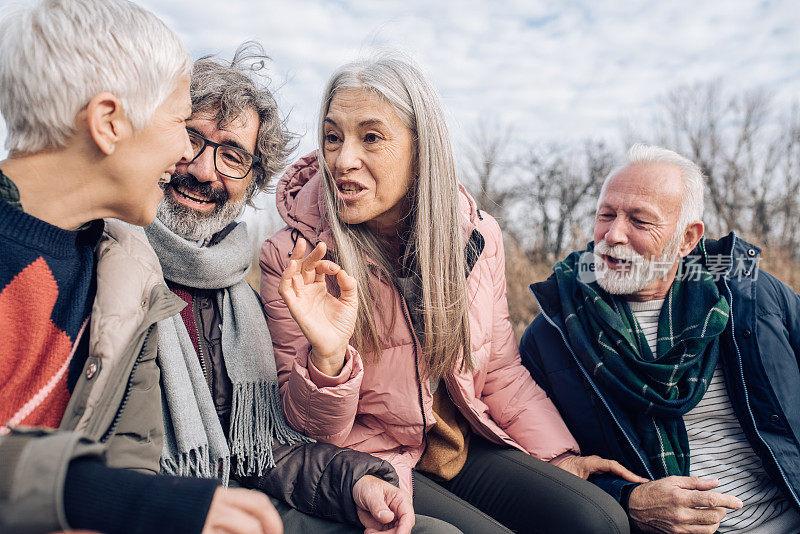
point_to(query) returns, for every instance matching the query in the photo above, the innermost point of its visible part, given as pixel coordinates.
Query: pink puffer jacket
(383, 407)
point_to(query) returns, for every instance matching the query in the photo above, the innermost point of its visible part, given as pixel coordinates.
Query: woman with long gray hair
(410, 355)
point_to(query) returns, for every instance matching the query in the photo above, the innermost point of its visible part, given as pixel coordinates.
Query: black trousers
(505, 490)
(296, 522)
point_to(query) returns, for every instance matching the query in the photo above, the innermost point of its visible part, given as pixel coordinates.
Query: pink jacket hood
(383, 407)
(300, 206)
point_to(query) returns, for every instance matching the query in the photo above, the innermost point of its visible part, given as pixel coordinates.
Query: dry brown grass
(520, 273)
(778, 263)
(253, 276)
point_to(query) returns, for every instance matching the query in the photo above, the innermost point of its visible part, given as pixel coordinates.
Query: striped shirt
(719, 449)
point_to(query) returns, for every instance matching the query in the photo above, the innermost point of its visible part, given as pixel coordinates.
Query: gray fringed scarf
(194, 443)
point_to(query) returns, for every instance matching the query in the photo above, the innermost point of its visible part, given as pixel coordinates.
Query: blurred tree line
(543, 195)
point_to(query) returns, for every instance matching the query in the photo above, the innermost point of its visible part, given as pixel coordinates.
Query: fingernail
(384, 516)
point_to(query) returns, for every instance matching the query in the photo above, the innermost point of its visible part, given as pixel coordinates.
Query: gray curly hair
(228, 89)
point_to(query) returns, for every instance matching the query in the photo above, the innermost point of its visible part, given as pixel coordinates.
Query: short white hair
(693, 179)
(58, 54)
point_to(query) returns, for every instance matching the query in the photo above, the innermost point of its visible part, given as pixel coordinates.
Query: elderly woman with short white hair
(409, 354)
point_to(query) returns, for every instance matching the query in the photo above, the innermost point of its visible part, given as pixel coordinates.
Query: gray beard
(642, 272)
(194, 226)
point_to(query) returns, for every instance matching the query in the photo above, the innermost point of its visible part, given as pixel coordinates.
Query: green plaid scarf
(659, 389)
(9, 191)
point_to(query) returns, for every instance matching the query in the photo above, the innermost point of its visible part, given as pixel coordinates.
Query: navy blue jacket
(760, 356)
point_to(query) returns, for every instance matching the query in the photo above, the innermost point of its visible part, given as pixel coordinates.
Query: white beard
(638, 272)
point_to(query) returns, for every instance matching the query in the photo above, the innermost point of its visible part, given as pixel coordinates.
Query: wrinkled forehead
(360, 104)
(227, 119)
(241, 128)
(658, 187)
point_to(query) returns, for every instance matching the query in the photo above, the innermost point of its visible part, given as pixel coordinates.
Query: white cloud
(558, 71)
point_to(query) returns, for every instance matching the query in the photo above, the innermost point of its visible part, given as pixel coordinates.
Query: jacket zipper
(475, 423)
(747, 395)
(416, 370)
(126, 395)
(594, 387)
(202, 357)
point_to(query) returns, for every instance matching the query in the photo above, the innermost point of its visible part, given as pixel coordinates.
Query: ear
(691, 237)
(107, 122)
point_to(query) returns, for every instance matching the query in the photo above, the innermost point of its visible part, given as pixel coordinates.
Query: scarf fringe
(257, 407)
(197, 462)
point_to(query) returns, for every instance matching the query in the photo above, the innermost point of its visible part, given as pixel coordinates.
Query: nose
(202, 167)
(616, 233)
(188, 152)
(349, 157)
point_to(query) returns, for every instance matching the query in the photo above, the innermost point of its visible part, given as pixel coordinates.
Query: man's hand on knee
(241, 511)
(680, 505)
(383, 507)
(585, 466)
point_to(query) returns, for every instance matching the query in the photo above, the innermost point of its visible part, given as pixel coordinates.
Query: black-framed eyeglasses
(229, 161)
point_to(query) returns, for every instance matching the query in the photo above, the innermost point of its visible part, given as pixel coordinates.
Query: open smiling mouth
(616, 262)
(191, 195)
(350, 188)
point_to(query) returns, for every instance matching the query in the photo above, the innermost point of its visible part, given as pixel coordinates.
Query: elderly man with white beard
(676, 356)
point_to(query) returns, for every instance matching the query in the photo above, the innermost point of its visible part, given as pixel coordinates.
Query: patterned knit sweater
(47, 287)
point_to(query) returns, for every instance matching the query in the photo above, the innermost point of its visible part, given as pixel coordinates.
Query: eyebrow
(366, 122)
(227, 142)
(645, 213)
(640, 212)
(370, 122)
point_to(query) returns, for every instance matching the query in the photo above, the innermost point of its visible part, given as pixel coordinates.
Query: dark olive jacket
(114, 413)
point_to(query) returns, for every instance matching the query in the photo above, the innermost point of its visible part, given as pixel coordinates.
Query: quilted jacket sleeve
(315, 404)
(318, 479)
(515, 401)
(33, 466)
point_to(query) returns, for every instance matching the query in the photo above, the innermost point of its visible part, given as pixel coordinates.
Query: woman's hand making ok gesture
(326, 321)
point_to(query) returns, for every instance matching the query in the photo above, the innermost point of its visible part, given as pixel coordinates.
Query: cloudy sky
(555, 70)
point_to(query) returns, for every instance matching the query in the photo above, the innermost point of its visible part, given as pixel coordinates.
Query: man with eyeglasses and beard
(223, 416)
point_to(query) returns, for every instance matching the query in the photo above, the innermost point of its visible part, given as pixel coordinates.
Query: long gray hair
(436, 246)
